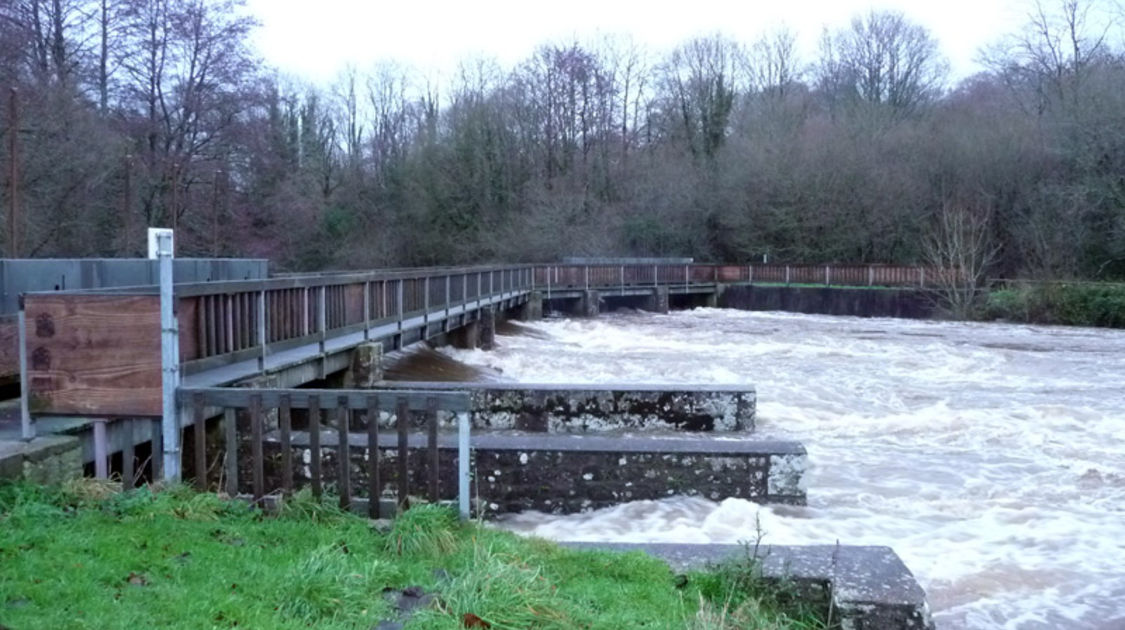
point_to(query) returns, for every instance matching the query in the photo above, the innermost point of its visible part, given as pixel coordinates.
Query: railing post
(870, 276)
(262, 335)
(170, 359)
(786, 275)
(655, 275)
(622, 279)
(447, 279)
(366, 310)
(548, 283)
(425, 306)
(687, 277)
(827, 276)
(463, 427)
(398, 299)
(322, 318)
(305, 312)
(749, 274)
(587, 270)
(922, 277)
(27, 429)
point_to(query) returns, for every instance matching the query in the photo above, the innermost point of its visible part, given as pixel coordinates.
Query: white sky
(314, 39)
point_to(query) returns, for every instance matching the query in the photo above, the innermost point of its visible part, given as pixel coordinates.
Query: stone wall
(600, 408)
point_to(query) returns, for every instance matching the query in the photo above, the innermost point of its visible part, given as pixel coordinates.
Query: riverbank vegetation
(88, 556)
(1058, 303)
(855, 152)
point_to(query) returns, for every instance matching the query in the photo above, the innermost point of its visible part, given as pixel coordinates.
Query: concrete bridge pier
(588, 305)
(466, 337)
(487, 328)
(366, 369)
(532, 309)
(658, 301)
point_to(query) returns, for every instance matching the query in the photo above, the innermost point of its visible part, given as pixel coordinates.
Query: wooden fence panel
(94, 354)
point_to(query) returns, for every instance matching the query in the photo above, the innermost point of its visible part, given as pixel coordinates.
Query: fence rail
(253, 417)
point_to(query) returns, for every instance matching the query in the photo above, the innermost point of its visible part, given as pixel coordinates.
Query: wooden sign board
(94, 354)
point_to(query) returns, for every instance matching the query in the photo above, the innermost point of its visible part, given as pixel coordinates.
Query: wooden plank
(343, 454)
(285, 420)
(94, 354)
(402, 420)
(314, 445)
(230, 433)
(199, 431)
(258, 473)
(374, 487)
(239, 397)
(432, 445)
(9, 348)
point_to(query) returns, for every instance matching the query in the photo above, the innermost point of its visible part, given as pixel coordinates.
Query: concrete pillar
(487, 328)
(714, 298)
(466, 337)
(366, 368)
(588, 304)
(658, 301)
(532, 309)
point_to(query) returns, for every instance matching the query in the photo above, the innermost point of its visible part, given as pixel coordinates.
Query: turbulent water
(990, 456)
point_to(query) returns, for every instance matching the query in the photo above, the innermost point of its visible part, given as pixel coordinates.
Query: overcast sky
(314, 39)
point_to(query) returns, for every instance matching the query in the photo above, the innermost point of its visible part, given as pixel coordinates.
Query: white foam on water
(990, 456)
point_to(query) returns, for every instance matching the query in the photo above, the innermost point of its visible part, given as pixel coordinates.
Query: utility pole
(13, 174)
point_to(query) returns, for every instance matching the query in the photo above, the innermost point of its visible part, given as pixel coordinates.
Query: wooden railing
(563, 277)
(226, 322)
(324, 419)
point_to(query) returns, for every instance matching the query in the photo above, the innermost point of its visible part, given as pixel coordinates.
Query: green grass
(83, 556)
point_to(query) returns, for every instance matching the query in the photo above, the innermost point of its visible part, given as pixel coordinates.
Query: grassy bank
(86, 557)
(1059, 303)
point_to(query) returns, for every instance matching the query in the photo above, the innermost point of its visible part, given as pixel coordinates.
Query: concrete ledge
(48, 459)
(555, 408)
(870, 587)
(566, 473)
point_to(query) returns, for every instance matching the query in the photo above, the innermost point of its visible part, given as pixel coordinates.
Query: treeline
(135, 113)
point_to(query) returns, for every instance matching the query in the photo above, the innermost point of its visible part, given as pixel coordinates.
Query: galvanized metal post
(262, 336)
(587, 269)
(169, 359)
(463, 427)
(749, 274)
(922, 276)
(827, 276)
(870, 276)
(787, 275)
(367, 310)
(548, 283)
(101, 469)
(622, 279)
(687, 277)
(305, 311)
(27, 429)
(322, 318)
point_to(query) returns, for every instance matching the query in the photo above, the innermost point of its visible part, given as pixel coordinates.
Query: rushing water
(989, 456)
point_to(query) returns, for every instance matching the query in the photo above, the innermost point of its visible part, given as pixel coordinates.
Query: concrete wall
(600, 408)
(908, 303)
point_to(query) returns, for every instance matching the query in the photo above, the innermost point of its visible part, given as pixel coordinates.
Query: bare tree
(881, 59)
(961, 247)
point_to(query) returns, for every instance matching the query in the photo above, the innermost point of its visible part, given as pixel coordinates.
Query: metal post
(463, 427)
(101, 470)
(262, 336)
(827, 276)
(169, 358)
(922, 276)
(655, 275)
(305, 311)
(786, 275)
(367, 310)
(870, 276)
(322, 318)
(587, 269)
(548, 284)
(749, 274)
(27, 429)
(687, 277)
(622, 279)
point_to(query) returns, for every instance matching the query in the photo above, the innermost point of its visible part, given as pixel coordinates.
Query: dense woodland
(134, 113)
